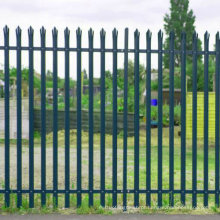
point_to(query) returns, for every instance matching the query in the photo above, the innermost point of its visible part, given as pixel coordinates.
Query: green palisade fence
(76, 119)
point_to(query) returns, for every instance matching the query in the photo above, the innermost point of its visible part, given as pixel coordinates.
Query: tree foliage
(180, 19)
(120, 86)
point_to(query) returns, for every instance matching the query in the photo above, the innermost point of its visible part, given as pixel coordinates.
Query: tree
(179, 19)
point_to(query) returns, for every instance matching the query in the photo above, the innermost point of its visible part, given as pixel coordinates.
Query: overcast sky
(141, 14)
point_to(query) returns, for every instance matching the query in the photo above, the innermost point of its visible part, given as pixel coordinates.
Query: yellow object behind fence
(200, 115)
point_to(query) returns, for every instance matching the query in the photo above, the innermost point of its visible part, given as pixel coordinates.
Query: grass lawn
(130, 167)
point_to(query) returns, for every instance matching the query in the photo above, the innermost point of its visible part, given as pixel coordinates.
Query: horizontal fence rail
(163, 187)
(107, 50)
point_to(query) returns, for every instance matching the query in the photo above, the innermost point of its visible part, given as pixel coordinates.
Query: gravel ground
(61, 167)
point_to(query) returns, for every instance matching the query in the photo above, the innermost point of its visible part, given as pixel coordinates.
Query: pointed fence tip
(102, 32)
(30, 30)
(90, 32)
(66, 31)
(149, 34)
(54, 31)
(18, 28)
(136, 33)
(126, 32)
(160, 34)
(42, 30)
(78, 31)
(115, 32)
(6, 29)
(18, 31)
(195, 35)
(207, 35)
(217, 42)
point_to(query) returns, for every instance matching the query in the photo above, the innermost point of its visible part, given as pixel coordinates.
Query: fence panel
(120, 156)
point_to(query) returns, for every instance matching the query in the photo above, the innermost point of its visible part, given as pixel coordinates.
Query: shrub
(165, 115)
(154, 113)
(177, 115)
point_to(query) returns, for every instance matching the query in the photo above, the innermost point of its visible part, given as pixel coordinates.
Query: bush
(177, 115)
(154, 113)
(166, 114)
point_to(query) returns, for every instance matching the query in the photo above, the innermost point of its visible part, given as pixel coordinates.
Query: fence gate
(140, 178)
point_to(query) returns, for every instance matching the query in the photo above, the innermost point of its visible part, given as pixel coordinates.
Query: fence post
(160, 117)
(171, 121)
(90, 33)
(55, 138)
(125, 122)
(114, 119)
(206, 115)
(7, 119)
(102, 123)
(194, 123)
(136, 118)
(148, 121)
(67, 126)
(183, 117)
(31, 118)
(19, 120)
(79, 132)
(43, 118)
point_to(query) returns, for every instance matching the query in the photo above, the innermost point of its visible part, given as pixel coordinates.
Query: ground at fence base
(98, 210)
(110, 217)
(154, 151)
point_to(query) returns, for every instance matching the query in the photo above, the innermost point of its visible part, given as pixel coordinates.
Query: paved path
(110, 217)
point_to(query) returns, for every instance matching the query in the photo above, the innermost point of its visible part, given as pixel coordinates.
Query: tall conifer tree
(180, 18)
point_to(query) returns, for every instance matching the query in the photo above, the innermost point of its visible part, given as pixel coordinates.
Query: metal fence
(115, 191)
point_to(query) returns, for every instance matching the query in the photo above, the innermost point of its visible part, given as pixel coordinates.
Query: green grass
(84, 209)
(96, 208)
